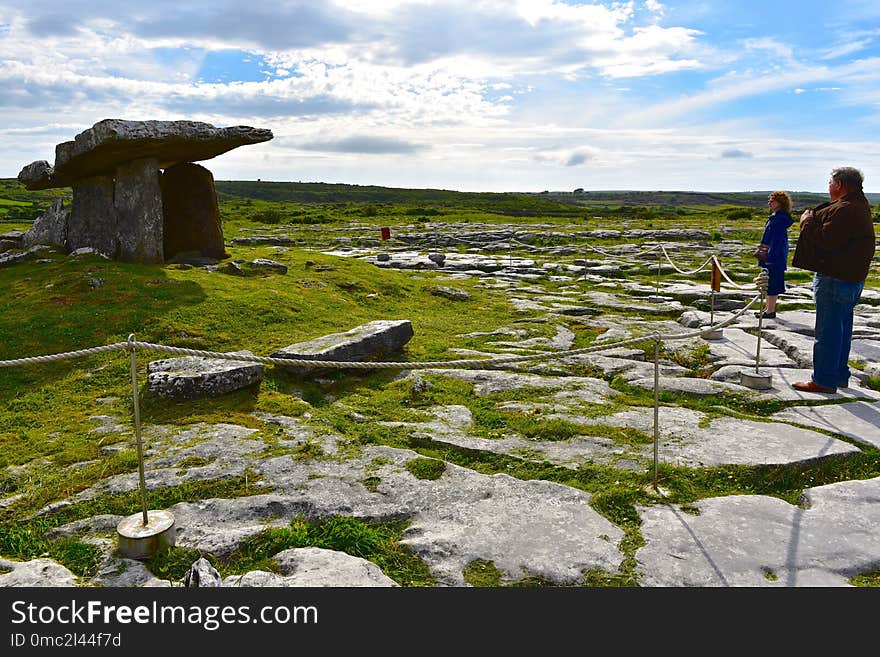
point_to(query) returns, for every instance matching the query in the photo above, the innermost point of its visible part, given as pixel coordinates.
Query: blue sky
(473, 95)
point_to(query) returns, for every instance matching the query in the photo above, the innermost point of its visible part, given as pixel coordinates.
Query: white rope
(618, 257)
(64, 355)
(680, 271)
(724, 273)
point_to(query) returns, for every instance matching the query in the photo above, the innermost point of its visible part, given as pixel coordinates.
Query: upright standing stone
(92, 220)
(137, 201)
(50, 227)
(192, 215)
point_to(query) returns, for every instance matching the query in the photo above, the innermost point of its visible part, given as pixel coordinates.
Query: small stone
(202, 575)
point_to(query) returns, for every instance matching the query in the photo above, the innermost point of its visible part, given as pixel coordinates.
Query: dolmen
(137, 194)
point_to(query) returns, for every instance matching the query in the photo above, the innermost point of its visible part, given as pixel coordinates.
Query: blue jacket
(776, 237)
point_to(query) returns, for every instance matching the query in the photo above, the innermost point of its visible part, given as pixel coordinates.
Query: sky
(468, 95)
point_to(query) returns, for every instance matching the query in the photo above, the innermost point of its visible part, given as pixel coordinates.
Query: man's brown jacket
(838, 240)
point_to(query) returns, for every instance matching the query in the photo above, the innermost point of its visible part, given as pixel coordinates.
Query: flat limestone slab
(487, 382)
(804, 321)
(797, 346)
(781, 379)
(693, 386)
(857, 420)
(687, 439)
(525, 527)
(754, 540)
(737, 347)
(453, 423)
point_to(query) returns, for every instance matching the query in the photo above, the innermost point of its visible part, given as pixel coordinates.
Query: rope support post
(142, 535)
(659, 262)
(762, 281)
(137, 428)
(757, 380)
(656, 405)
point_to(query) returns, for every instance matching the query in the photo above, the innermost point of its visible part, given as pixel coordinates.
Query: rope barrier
(62, 356)
(680, 271)
(617, 257)
(724, 273)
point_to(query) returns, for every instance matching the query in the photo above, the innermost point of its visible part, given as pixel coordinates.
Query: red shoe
(812, 386)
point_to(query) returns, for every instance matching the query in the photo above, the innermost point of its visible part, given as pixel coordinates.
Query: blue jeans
(835, 300)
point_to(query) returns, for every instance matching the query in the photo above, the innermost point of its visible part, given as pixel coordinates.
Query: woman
(772, 252)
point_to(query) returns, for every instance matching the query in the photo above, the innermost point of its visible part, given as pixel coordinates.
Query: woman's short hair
(849, 177)
(783, 199)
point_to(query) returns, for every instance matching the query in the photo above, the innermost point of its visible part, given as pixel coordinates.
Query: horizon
(514, 191)
(465, 95)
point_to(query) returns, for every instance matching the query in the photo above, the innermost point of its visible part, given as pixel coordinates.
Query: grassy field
(64, 304)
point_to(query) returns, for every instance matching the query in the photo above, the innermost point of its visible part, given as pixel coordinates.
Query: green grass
(424, 468)
(869, 579)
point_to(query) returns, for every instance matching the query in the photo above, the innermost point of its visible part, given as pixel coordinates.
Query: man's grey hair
(849, 177)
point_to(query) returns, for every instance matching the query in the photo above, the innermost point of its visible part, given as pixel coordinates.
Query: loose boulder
(192, 377)
(369, 342)
(202, 575)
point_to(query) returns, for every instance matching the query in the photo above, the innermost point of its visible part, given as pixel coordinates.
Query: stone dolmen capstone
(369, 342)
(137, 196)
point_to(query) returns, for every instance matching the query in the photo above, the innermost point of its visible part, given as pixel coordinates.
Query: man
(837, 242)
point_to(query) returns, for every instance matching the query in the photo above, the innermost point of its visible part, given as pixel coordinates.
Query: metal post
(763, 291)
(758, 350)
(510, 251)
(137, 429)
(656, 405)
(659, 262)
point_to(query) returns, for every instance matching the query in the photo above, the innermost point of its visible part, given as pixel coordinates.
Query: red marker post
(716, 277)
(386, 233)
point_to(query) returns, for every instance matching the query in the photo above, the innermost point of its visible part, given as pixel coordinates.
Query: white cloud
(846, 49)
(655, 7)
(509, 93)
(771, 47)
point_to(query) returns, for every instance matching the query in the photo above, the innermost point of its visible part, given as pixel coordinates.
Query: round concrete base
(756, 380)
(713, 334)
(140, 541)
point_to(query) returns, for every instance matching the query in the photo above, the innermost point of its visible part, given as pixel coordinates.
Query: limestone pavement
(536, 528)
